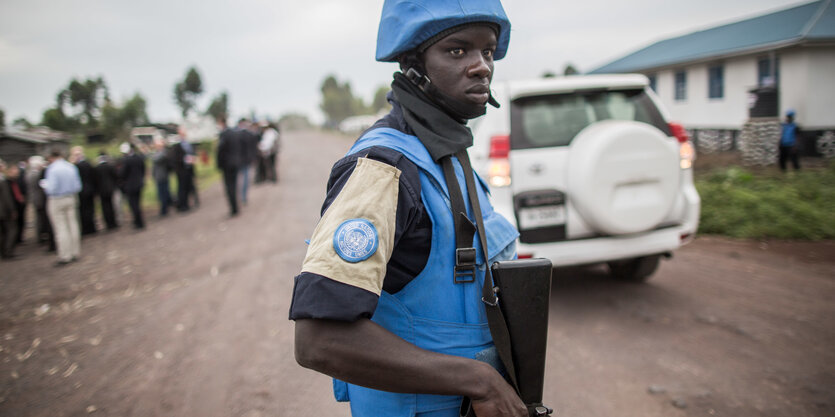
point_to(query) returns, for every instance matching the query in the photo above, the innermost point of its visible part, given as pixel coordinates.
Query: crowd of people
(60, 192)
(241, 147)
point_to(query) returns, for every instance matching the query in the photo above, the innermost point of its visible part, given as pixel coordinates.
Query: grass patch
(206, 173)
(204, 176)
(766, 203)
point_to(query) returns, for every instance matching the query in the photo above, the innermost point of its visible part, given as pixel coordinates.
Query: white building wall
(794, 83)
(664, 87)
(731, 111)
(807, 85)
(699, 111)
(810, 87)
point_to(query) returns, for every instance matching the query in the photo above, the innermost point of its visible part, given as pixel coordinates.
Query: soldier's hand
(500, 401)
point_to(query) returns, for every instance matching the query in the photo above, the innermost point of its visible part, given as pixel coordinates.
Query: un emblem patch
(355, 240)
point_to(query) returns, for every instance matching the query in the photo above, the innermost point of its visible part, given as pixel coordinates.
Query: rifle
(515, 294)
(524, 291)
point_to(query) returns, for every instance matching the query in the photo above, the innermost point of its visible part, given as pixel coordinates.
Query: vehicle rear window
(555, 119)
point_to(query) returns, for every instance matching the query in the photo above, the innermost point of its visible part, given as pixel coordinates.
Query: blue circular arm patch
(355, 240)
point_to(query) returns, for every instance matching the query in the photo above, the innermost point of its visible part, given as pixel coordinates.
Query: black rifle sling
(464, 228)
(495, 318)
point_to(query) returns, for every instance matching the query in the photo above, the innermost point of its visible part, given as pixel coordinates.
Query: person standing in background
(190, 175)
(87, 196)
(230, 157)
(268, 147)
(260, 162)
(249, 140)
(36, 197)
(132, 175)
(182, 161)
(788, 142)
(61, 184)
(15, 182)
(21, 204)
(106, 180)
(161, 171)
(8, 215)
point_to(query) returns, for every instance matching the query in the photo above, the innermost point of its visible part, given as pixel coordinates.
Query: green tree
(86, 97)
(548, 74)
(2, 118)
(219, 107)
(188, 90)
(570, 70)
(55, 119)
(116, 121)
(134, 111)
(338, 102)
(21, 123)
(112, 122)
(380, 102)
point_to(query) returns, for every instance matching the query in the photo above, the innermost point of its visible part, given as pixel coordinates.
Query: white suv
(590, 170)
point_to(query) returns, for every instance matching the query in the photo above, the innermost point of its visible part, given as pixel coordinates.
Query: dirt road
(189, 318)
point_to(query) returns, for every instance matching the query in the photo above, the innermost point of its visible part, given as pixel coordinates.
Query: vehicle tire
(635, 270)
(624, 176)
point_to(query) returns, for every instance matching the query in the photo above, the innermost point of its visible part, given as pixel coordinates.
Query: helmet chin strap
(455, 108)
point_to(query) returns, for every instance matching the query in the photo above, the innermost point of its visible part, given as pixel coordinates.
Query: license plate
(537, 217)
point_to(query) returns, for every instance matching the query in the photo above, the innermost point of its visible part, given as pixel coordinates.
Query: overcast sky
(272, 55)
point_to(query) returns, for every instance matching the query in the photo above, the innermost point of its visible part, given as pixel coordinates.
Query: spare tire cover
(623, 176)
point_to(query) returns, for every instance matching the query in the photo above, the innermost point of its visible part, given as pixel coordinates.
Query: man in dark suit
(8, 214)
(35, 172)
(87, 196)
(133, 180)
(182, 158)
(249, 140)
(21, 204)
(230, 156)
(106, 179)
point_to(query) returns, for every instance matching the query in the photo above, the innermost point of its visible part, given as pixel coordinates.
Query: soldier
(788, 142)
(379, 303)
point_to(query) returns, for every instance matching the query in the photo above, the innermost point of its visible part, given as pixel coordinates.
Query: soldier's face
(461, 64)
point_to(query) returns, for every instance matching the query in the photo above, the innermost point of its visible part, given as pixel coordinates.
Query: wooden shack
(17, 145)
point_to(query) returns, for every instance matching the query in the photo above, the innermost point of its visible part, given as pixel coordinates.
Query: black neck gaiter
(439, 132)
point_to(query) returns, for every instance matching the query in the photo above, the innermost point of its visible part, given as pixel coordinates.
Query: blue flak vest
(789, 134)
(432, 311)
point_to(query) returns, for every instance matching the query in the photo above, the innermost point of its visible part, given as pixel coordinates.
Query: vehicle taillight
(686, 150)
(679, 132)
(499, 146)
(687, 154)
(498, 172)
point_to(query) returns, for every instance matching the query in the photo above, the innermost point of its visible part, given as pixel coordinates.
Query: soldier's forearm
(364, 353)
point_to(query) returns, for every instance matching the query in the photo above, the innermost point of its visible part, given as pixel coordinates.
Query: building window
(766, 75)
(681, 85)
(716, 81)
(653, 82)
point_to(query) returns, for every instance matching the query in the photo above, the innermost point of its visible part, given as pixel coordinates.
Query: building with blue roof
(708, 79)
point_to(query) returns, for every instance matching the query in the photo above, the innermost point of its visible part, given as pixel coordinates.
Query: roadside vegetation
(761, 203)
(206, 173)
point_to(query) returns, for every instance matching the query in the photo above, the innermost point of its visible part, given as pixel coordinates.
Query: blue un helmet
(406, 24)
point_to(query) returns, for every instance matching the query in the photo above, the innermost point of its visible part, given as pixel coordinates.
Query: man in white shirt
(61, 185)
(269, 151)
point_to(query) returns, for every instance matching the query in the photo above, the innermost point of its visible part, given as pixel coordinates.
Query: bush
(768, 204)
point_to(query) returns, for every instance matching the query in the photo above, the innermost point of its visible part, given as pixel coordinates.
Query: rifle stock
(524, 294)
